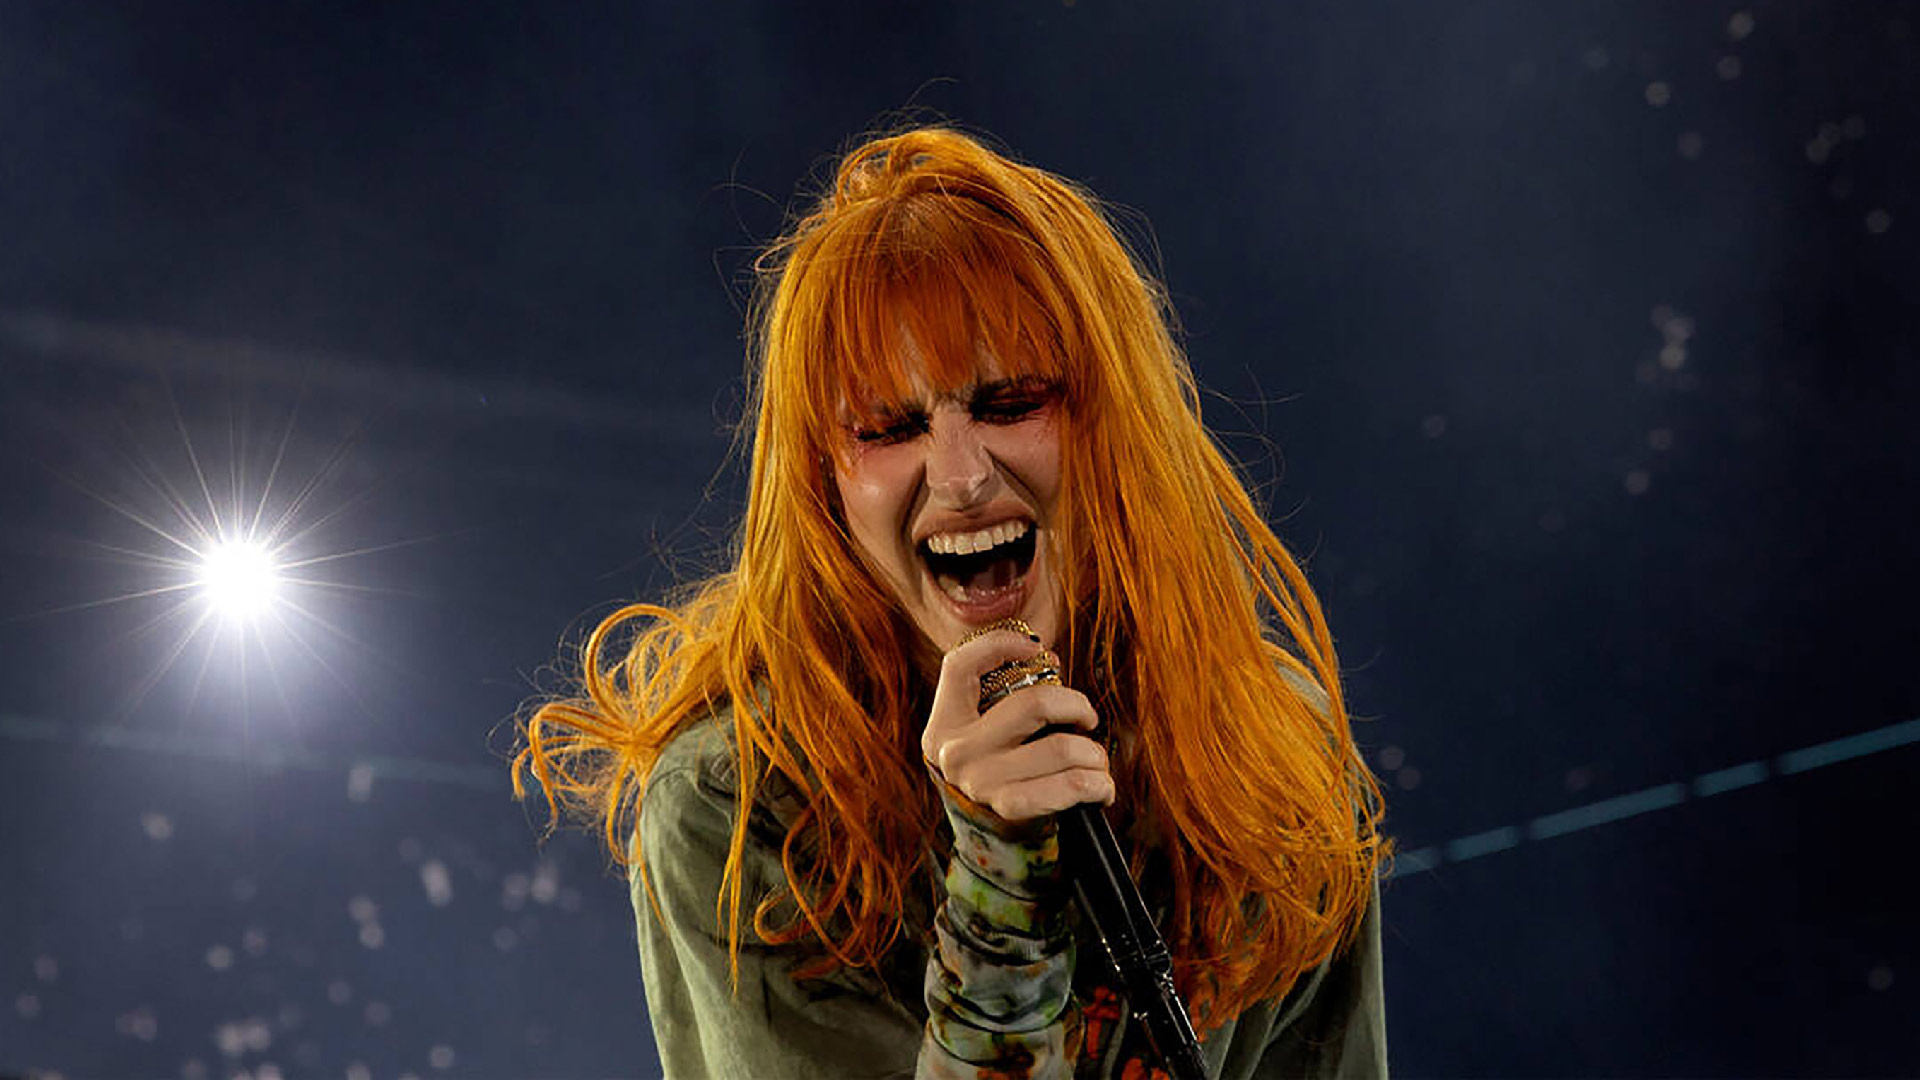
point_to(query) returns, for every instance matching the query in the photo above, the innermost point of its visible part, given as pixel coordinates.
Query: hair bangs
(923, 292)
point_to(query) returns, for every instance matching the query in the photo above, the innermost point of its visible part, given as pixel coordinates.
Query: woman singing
(977, 446)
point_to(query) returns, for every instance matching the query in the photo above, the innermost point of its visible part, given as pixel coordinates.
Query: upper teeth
(970, 542)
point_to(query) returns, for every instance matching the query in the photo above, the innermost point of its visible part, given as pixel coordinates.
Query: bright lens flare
(239, 578)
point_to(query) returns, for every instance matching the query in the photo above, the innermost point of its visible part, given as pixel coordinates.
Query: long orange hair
(1188, 622)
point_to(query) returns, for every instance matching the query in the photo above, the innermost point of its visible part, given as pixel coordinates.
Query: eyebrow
(976, 395)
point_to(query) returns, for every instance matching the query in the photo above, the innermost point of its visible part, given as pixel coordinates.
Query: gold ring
(1018, 625)
(1042, 667)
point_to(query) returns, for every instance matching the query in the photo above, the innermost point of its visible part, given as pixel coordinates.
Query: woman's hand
(987, 757)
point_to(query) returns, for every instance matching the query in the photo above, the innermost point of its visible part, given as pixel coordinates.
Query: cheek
(1035, 456)
(1049, 468)
(871, 496)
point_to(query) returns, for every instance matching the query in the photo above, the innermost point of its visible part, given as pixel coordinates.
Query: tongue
(997, 574)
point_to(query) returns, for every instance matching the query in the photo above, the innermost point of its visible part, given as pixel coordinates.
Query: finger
(1018, 719)
(1025, 713)
(1060, 753)
(1052, 794)
(974, 657)
(957, 694)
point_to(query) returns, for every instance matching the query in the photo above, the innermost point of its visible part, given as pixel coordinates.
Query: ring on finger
(1042, 668)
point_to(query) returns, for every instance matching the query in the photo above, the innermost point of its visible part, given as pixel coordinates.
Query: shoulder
(684, 832)
(1331, 1022)
(701, 752)
(695, 784)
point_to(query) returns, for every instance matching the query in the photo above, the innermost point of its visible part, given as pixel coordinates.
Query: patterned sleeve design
(999, 986)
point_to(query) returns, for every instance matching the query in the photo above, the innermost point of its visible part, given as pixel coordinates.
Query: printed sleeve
(999, 986)
(1339, 1028)
(844, 1026)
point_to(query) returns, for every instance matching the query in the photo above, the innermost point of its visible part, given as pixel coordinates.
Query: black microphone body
(1110, 899)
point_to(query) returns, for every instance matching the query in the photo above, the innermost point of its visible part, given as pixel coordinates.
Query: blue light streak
(1662, 797)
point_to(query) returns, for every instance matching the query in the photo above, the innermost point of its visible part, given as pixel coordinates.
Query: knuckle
(1078, 751)
(1062, 748)
(953, 765)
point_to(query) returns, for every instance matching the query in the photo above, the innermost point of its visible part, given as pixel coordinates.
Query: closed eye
(1010, 400)
(1006, 410)
(1003, 402)
(897, 431)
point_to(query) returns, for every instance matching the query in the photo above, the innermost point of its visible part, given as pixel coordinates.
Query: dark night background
(1573, 344)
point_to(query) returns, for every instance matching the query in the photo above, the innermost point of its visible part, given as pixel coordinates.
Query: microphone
(1106, 891)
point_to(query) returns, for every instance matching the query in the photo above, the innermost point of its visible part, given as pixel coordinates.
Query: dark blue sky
(1574, 345)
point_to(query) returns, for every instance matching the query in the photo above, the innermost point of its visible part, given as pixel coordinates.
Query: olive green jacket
(947, 988)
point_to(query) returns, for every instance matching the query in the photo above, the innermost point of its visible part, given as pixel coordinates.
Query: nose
(959, 469)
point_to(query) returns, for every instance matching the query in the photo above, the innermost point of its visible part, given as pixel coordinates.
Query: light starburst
(234, 547)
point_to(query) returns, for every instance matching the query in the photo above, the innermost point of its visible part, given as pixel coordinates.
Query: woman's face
(951, 497)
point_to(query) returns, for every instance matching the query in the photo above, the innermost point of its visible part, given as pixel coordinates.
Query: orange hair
(1188, 622)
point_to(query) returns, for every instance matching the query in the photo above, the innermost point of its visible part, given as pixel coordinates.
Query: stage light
(225, 539)
(240, 578)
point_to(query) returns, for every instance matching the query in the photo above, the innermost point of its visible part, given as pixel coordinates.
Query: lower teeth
(990, 580)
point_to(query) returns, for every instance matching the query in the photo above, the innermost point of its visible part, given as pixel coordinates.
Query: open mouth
(982, 576)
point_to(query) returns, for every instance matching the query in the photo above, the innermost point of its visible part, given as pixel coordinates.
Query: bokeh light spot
(157, 826)
(438, 882)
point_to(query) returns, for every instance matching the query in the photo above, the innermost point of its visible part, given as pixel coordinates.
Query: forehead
(918, 381)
